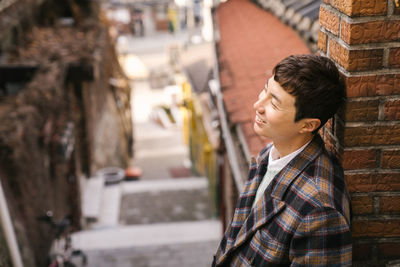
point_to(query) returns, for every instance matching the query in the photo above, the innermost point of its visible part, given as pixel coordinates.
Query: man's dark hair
(316, 84)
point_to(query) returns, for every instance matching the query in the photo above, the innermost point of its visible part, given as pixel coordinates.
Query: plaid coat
(303, 218)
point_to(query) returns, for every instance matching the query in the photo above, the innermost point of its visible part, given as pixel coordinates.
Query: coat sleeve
(323, 238)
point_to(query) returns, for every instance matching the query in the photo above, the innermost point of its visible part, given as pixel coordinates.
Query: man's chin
(259, 131)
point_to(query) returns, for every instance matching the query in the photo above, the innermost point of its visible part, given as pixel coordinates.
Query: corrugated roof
(251, 42)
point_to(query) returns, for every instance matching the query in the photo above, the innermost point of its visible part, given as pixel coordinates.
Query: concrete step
(188, 183)
(148, 235)
(197, 254)
(137, 202)
(151, 135)
(171, 244)
(171, 200)
(160, 167)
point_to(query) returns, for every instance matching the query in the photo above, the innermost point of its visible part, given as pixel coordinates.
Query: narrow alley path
(166, 218)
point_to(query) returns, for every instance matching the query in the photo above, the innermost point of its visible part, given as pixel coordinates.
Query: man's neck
(285, 147)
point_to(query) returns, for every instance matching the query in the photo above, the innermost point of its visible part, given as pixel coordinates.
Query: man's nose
(258, 106)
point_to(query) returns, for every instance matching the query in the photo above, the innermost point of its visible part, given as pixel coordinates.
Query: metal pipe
(215, 86)
(8, 230)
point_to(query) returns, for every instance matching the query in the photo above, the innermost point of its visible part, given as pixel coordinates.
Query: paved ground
(173, 204)
(158, 150)
(170, 244)
(155, 256)
(160, 220)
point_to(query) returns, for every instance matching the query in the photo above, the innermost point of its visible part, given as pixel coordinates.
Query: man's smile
(259, 120)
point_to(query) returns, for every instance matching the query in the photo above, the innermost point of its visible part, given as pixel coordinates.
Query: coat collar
(248, 220)
(287, 175)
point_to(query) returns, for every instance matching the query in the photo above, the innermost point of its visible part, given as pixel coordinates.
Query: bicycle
(61, 252)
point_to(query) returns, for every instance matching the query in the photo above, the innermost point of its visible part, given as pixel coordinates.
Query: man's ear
(309, 125)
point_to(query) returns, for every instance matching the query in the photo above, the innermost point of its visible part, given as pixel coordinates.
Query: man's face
(275, 113)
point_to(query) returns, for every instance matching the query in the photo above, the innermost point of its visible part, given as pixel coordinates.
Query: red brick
(358, 110)
(231, 103)
(322, 41)
(225, 78)
(371, 182)
(392, 110)
(339, 130)
(329, 20)
(373, 85)
(370, 32)
(389, 250)
(362, 252)
(394, 57)
(240, 116)
(361, 7)
(256, 143)
(248, 128)
(359, 159)
(390, 159)
(362, 205)
(389, 204)
(382, 228)
(356, 60)
(374, 135)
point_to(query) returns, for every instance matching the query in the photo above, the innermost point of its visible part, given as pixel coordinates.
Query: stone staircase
(166, 218)
(159, 220)
(159, 223)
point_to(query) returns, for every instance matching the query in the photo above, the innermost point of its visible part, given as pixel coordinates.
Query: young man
(295, 209)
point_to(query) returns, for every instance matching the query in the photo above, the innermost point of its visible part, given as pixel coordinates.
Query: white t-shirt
(275, 165)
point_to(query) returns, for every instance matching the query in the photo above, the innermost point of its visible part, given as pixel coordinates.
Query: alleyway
(165, 218)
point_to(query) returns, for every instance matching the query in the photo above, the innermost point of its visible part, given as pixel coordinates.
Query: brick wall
(363, 38)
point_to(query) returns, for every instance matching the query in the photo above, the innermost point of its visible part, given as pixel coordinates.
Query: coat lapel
(243, 207)
(266, 208)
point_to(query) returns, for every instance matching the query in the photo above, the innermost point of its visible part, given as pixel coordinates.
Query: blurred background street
(167, 217)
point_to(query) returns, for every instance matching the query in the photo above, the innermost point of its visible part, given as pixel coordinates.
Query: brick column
(363, 38)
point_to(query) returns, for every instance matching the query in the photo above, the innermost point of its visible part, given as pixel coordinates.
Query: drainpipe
(8, 230)
(215, 87)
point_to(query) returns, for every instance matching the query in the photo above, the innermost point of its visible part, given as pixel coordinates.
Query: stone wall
(362, 37)
(63, 121)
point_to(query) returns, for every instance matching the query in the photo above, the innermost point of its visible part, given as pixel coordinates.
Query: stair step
(188, 183)
(163, 201)
(148, 235)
